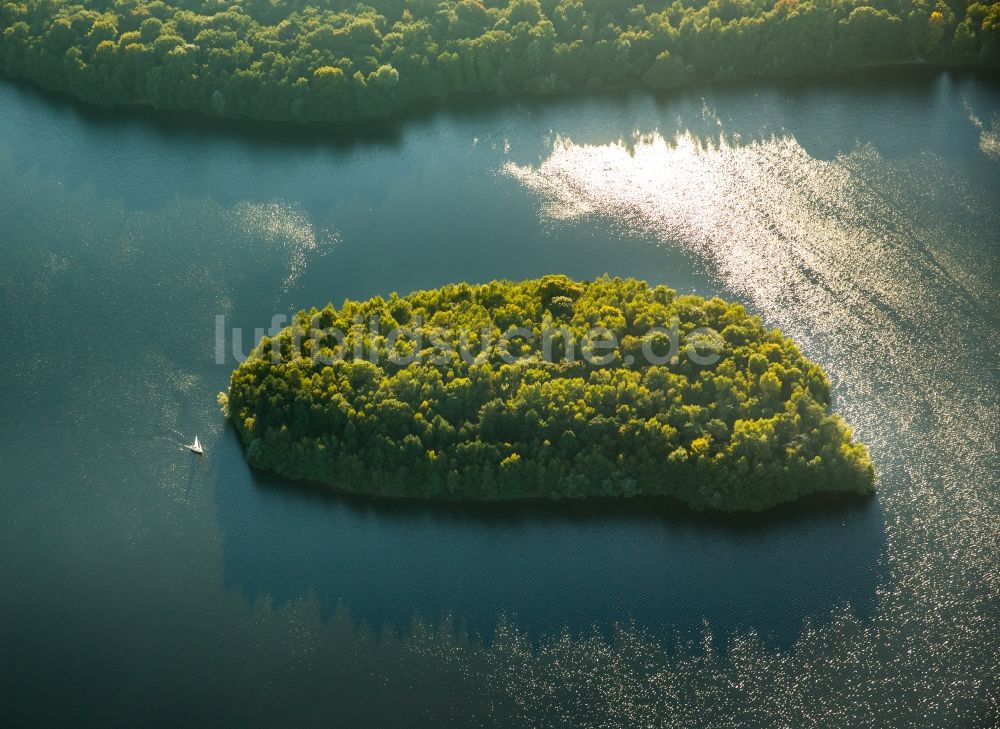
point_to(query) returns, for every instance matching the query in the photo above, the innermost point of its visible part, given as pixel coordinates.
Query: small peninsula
(548, 388)
(288, 60)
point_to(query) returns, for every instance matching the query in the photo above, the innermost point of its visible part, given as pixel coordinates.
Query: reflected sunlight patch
(287, 227)
(885, 273)
(858, 258)
(989, 138)
(786, 231)
(765, 213)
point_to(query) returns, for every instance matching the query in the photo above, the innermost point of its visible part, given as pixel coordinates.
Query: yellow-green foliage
(332, 60)
(751, 430)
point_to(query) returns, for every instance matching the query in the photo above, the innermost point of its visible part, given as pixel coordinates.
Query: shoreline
(458, 104)
(665, 506)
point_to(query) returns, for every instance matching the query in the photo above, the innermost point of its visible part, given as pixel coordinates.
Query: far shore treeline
(326, 60)
(504, 391)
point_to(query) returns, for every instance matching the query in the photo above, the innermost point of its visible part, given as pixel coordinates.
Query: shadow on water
(871, 83)
(150, 155)
(550, 566)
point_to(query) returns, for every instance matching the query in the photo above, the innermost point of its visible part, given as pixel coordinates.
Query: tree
(745, 432)
(270, 60)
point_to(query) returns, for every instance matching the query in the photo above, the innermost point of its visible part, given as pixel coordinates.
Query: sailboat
(196, 447)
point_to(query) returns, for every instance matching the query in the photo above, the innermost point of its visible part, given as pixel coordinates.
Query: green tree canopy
(277, 59)
(436, 395)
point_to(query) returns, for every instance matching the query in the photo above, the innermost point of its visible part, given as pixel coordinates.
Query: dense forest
(337, 59)
(461, 408)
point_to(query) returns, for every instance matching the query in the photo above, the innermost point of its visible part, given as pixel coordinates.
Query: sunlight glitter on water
(989, 136)
(823, 249)
(287, 227)
(834, 253)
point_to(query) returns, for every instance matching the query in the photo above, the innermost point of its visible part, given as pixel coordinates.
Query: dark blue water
(552, 567)
(141, 587)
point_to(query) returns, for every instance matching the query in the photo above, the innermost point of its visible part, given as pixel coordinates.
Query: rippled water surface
(141, 587)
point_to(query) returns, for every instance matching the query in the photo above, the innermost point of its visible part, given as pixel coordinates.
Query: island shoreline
(547, 388)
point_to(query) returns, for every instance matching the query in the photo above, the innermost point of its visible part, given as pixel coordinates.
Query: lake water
(142, 587)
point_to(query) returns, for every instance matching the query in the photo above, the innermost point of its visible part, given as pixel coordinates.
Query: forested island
(547, 388)
(339, 60)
